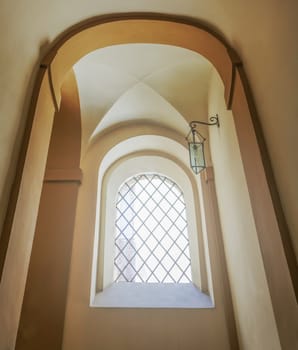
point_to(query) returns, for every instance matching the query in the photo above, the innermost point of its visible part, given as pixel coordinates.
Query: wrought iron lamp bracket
(193, 127)
(212, 121)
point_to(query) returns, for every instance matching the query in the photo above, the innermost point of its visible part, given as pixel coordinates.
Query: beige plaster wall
(43, 309)
(263, 33)
(22, 233)
(89, 327)
(251, 299)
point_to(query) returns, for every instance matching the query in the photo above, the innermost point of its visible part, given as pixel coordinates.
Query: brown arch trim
(121, 28)
(155, 28)
(109, 18)
(116, 17)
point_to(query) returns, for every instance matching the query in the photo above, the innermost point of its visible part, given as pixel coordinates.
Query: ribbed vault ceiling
(148, 83)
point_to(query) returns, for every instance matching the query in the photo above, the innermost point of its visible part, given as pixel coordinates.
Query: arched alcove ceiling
(160, 84)
(165, 30)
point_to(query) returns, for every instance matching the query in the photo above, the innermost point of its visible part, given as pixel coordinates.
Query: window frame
(112, 179)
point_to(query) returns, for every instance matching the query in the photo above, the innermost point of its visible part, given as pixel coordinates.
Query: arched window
(149, 244)
(151, 240)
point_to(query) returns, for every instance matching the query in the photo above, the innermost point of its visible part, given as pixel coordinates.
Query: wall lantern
(196, 144)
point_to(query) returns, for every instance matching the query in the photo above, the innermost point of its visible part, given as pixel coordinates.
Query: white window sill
(152, 295)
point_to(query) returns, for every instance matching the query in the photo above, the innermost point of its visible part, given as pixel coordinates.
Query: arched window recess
(150, 242)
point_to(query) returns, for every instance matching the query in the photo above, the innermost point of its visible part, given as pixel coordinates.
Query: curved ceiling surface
(149, 83)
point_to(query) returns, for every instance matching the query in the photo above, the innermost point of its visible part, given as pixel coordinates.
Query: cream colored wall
(89, 327)
(251, 299)
(263, 33)
(22, 233)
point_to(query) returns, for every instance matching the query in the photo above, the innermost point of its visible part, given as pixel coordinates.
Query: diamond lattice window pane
(164, 205)
(151, 243)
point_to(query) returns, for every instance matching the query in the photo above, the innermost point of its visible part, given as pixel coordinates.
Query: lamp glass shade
(197, 158)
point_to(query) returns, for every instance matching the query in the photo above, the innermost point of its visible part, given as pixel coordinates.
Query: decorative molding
(236, 62)
(63, 175)
(55, 103)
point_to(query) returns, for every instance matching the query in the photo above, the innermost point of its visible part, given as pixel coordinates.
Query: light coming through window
(151, 241)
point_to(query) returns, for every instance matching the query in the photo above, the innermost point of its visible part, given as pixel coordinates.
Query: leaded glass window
(151, 240)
